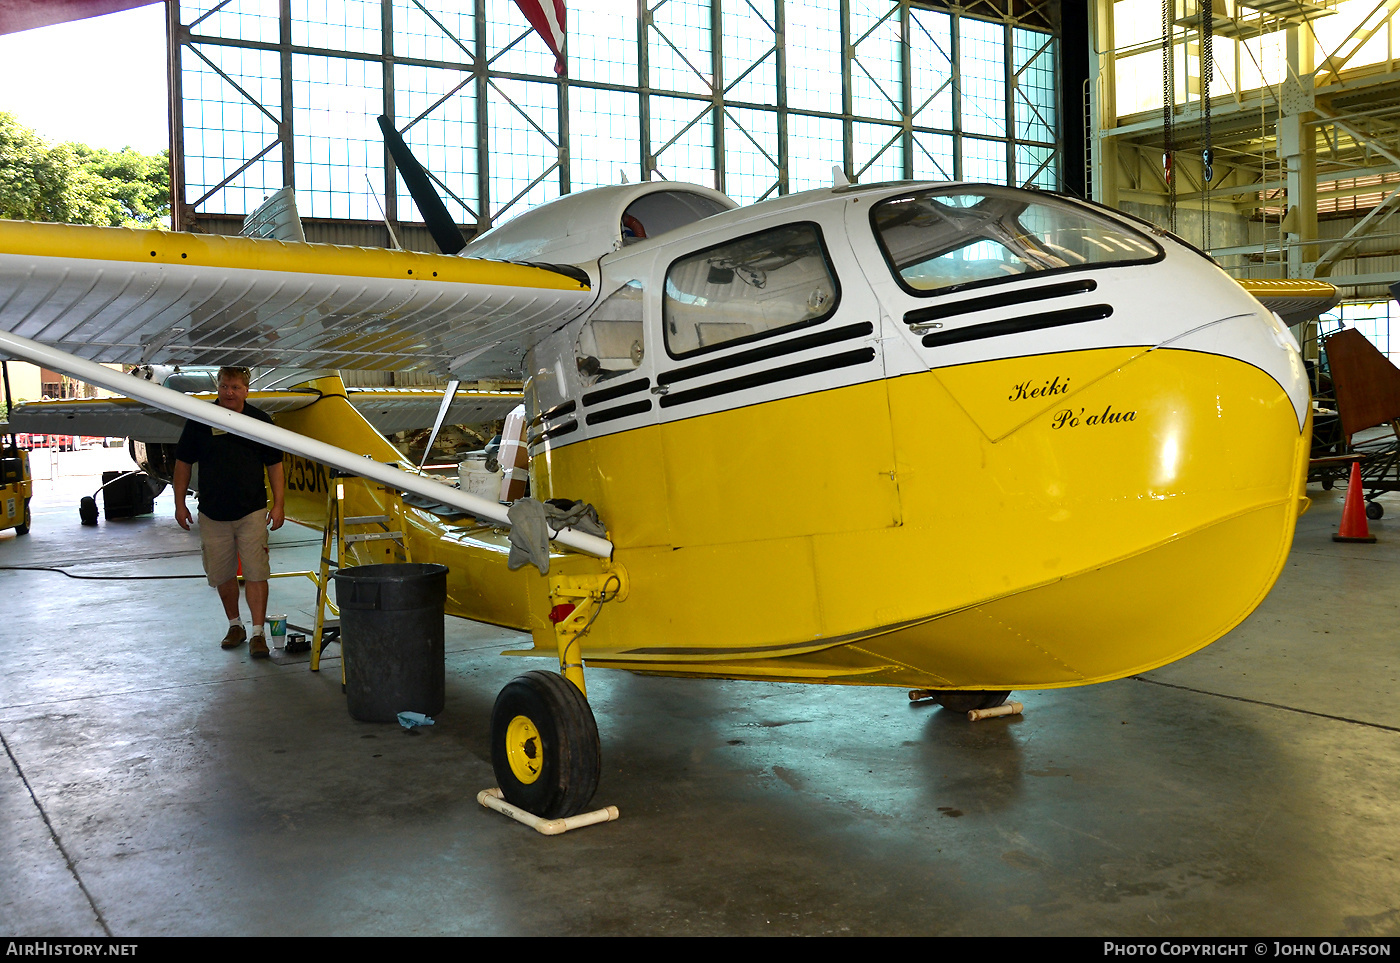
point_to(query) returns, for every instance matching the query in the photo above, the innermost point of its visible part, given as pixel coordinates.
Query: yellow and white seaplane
(945, 436)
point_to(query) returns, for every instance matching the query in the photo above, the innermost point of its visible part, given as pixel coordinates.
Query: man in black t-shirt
(233, 512)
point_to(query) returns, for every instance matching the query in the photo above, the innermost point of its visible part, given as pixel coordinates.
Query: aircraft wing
(388, 409)
(127, 418)
(403, 409)
(116, 417)
(142, 296)
(1293, 300)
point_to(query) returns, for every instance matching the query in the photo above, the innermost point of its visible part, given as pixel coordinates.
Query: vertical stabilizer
(275, 218)
(335, 421)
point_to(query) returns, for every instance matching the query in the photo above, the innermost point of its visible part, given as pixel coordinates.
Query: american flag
(547, 17)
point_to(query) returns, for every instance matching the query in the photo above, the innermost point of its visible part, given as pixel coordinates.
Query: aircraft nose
(1257, 338)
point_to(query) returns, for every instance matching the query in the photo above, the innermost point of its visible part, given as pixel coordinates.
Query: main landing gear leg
(544, 740)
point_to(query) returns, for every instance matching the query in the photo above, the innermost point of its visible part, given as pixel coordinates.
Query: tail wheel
(1374, 510)
(544, 745)
(966, 700)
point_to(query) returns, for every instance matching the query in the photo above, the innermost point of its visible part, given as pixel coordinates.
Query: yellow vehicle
(954, 437)
(16, 486)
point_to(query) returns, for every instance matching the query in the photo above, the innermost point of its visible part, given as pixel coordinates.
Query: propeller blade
(440, 223)
(447, 397)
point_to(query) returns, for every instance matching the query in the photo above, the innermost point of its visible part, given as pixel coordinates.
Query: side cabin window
(610, 342)
(936, 241)
(748, 288)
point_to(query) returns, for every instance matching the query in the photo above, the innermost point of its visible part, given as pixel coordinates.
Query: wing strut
(167, 399)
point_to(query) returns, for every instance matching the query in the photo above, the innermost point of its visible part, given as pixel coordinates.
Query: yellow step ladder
(345, 531)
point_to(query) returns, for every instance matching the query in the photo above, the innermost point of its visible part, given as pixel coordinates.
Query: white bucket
(476, 480)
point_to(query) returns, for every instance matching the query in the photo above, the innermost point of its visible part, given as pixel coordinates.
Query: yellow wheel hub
(524, 750)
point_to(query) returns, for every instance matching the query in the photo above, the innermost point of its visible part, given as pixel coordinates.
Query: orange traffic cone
(1354, 527)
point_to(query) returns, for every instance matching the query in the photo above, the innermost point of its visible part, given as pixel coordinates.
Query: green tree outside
(77, 184)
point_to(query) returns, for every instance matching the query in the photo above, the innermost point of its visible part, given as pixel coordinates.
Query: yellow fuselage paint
(1021, 523)
(1044, 521)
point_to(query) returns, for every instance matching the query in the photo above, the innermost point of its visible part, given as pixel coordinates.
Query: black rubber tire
(87, 510)
(1374, 510)
(23, 529)
(965, 700)
(1328, 483)
(569, 753)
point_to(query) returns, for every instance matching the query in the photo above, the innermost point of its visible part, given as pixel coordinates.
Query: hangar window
(714, 92)
(936, 240)
(747, 289)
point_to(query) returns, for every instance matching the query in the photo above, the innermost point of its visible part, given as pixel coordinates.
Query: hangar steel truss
(753, 97)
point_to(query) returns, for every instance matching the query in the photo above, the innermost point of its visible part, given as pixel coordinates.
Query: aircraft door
(772, 398)
(897, 350)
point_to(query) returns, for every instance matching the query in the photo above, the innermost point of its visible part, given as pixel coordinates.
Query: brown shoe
(236, 637)
(257, 647)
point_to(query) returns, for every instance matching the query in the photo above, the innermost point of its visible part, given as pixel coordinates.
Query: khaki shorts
(224, 543)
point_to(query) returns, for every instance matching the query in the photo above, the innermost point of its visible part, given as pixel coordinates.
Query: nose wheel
(544, 745)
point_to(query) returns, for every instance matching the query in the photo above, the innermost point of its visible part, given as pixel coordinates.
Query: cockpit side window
(936, 241)
(748, 288)
(611, 341)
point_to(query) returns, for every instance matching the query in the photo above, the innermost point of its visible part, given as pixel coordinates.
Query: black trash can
(391, 636)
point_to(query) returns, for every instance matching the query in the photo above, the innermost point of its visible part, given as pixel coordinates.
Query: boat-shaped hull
(1027, 522)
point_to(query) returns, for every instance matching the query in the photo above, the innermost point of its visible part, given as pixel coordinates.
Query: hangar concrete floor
(155, 785)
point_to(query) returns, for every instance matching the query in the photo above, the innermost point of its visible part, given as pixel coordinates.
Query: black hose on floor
(92, 578)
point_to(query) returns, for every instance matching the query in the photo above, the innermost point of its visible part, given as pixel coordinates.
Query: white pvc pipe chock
(494, 799)
(1009, 709)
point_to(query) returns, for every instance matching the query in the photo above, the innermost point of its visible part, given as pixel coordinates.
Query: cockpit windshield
(193, 382)
(946, 238)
